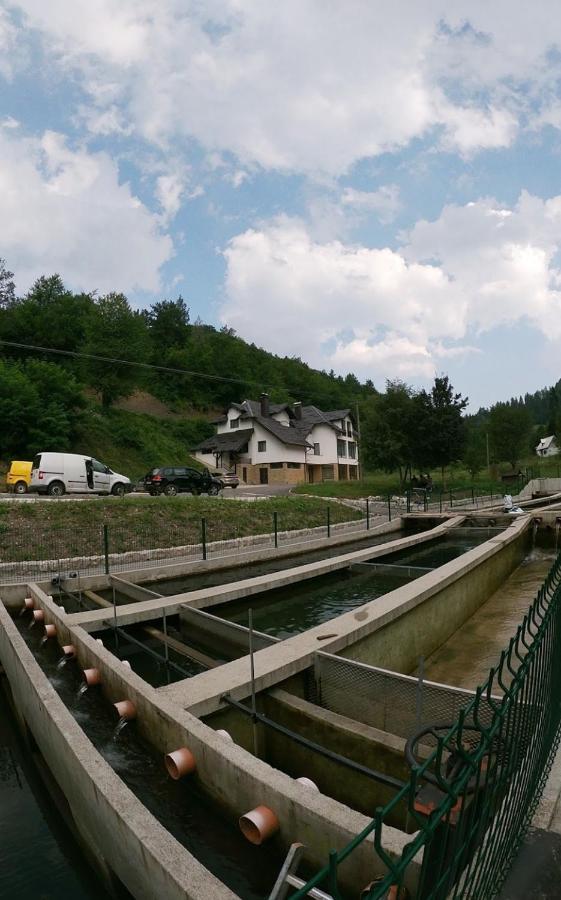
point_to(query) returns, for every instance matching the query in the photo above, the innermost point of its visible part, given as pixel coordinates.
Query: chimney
(264, 399)
(297, 407)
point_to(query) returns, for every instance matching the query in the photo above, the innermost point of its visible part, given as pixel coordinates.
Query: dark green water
(182, 807)
(296, 608)
(39, 858)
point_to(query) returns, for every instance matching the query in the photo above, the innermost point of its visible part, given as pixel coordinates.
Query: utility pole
(358, 446)
(487, 445)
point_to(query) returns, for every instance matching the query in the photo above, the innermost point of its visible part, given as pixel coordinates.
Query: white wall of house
(276, 450)
(326, 437)
(232, 413)
(282, 417)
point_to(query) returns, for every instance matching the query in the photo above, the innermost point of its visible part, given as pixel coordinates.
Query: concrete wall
(234, 778)
(118, 830)
(399, 644)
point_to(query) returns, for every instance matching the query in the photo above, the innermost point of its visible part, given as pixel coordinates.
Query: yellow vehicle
(18, 477)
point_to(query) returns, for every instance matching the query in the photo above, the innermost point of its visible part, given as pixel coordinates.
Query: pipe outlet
(69, 650)
(307, 782)
(180, 762)
(259, 824)
(91, 677)
(50, 631)
(28, 603)
(126, 709)
(38, 615)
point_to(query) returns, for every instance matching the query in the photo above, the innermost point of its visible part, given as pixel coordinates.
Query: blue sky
(373, 189)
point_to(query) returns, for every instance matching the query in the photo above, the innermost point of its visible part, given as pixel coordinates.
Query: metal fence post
(426, 502)
(408, 494)
(440, 499)
(368, 514)
(106, 547)
(203, 537)
(276, 528)
(473, 496)
(328, 520)
(451, 500)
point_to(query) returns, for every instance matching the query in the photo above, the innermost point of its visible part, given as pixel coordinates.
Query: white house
(548, 446)
(282, 444)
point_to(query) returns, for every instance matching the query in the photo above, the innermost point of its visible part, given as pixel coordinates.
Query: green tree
(7, 285)
(475, 451)
(441, 430)
(40, 408)
(114, 330)
(509, 431)
(388, 430)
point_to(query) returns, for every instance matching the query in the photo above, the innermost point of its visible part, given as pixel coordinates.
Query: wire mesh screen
(392, 702)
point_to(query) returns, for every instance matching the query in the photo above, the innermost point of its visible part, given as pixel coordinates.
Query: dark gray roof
(288, 434)
(229, 441)
(252, 408)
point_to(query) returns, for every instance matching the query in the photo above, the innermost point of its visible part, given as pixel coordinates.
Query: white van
(61, 473)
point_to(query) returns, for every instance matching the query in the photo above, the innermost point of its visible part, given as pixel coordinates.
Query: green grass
(457, 479)
(59, 529)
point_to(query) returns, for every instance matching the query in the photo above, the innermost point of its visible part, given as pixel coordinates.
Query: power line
(76, 354)
(127, 362)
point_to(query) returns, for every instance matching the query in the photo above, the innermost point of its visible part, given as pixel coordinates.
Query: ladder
(287, 877)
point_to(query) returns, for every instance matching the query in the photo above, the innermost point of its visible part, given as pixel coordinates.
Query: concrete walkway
(466, 657)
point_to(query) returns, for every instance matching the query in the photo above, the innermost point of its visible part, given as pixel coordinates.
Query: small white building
(282, 444)
(548, 446)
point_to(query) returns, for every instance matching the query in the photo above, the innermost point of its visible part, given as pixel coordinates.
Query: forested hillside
(46, 399)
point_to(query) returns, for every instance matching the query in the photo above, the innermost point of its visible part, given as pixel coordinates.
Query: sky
(372, 187)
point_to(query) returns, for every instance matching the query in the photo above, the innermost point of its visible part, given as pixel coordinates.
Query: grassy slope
(56, 529)
(132, 443)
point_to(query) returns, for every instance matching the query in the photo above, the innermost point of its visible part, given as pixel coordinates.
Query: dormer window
(235, 423)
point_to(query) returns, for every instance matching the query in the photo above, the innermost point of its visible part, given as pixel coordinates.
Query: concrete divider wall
(447, 603)
(235, 779)
(118, 830)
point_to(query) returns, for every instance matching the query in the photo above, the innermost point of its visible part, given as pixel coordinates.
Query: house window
(276, 465)
(235, 423)
(350, 429)
(261, 446)
(352, 450)
(317, 450)
(341, 448)
(293, 465)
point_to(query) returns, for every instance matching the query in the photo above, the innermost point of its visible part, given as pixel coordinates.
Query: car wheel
(213, 490)
(233, 486)
(118, 489)
(20, 487)
(170, 490)
(56, 489)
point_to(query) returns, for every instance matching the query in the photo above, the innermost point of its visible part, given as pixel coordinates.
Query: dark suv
(172, 480)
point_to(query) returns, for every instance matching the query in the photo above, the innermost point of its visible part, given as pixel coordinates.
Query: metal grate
(387, 700)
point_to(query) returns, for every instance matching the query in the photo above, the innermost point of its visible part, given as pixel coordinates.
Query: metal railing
(38, 550)
(474, 796)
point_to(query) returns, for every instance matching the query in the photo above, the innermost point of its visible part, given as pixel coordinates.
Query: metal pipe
(381, 777)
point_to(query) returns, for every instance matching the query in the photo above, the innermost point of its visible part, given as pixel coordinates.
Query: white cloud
(384, 202)
(382, 312)
(64, 210)
(307, 85)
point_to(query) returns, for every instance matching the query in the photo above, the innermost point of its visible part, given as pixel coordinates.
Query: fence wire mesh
(474, 796)
(392, 702)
